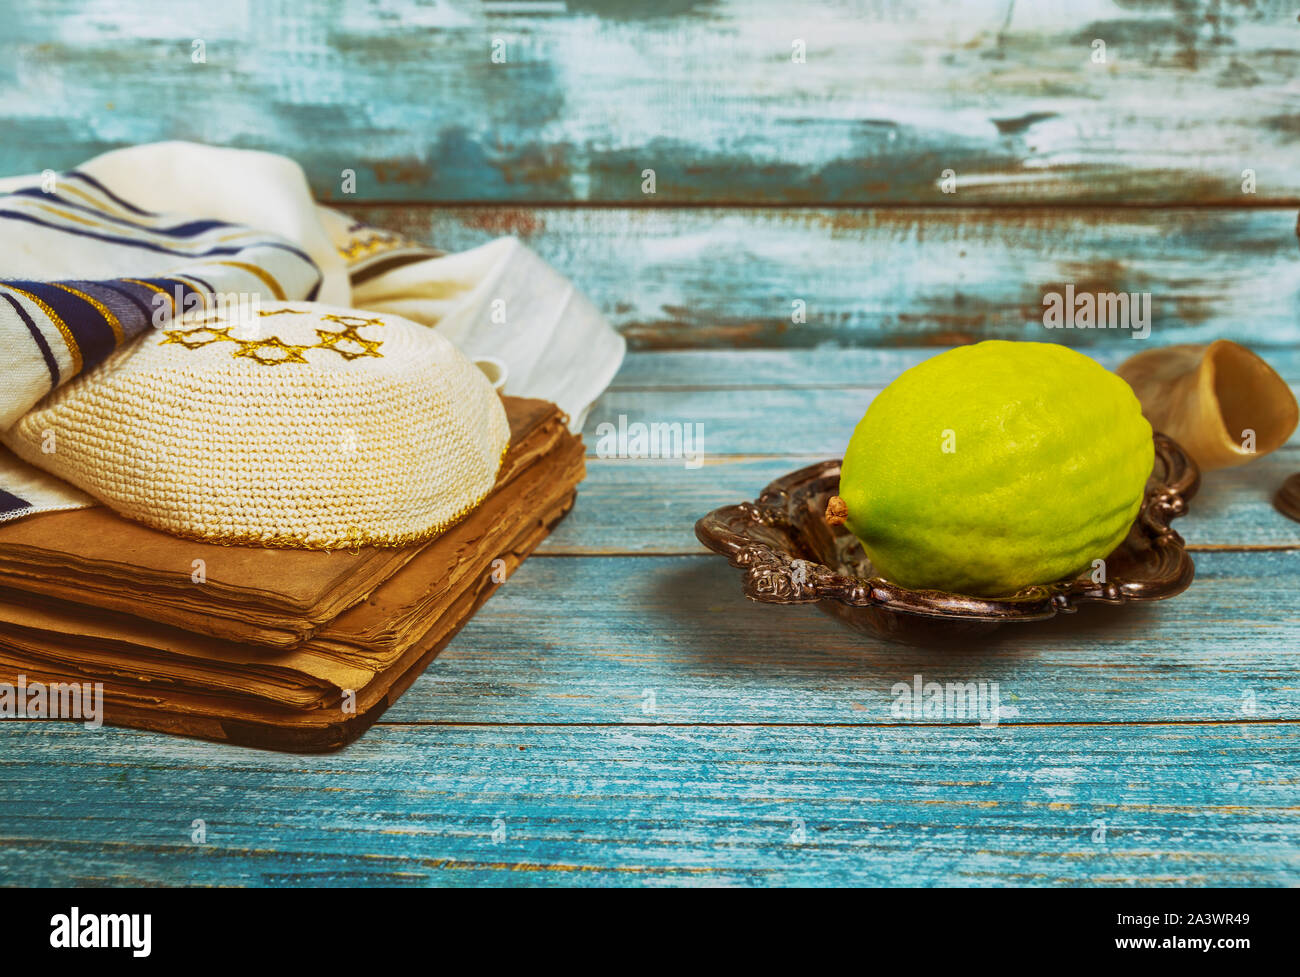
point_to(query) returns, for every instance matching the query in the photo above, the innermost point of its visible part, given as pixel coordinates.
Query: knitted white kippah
(293, 425)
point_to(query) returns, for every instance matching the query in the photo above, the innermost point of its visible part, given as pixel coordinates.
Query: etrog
(992, 467)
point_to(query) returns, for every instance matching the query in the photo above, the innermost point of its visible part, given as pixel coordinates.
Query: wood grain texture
(650, 507)
(721, 277)
(418, 805)
(803, 420)
(830, 368)
(680, 628)
(705, 92)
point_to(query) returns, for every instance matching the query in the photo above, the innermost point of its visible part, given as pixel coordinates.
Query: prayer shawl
(94, 257)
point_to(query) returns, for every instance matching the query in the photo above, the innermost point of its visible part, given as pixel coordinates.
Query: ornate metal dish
(791, 556)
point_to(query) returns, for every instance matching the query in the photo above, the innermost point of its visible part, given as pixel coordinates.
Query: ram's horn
(1221, 402)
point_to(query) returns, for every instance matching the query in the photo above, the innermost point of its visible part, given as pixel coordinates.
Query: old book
(325, 691)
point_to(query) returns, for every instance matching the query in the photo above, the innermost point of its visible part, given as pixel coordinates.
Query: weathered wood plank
(707, 94)
(679, 628)
(745, 421)
(828, 367)
(650, 507)
(718, 277)
(418, 806)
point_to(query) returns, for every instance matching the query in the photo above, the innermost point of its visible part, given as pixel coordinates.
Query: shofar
(1221, 402)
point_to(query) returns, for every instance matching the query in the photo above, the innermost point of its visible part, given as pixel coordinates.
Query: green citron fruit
(992, 467)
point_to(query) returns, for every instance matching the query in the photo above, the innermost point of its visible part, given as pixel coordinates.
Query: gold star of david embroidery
(189, 337)
(352, 321)
(379, 240)
(274, 351)
(283, 352)
(332, 340)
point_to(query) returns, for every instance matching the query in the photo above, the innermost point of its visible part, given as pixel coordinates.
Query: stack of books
(290, 650)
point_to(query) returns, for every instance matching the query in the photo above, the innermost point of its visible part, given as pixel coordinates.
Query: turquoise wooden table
(618, 714)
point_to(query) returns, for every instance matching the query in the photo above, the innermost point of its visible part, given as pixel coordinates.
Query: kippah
(290, 425)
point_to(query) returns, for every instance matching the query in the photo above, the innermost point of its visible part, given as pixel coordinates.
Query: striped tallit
(93, 257)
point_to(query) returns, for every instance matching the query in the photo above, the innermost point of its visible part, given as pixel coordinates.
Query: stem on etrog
(836, 511)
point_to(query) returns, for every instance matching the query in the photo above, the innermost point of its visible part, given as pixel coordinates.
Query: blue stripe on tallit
(39, 339)
(133, 315)
(10, 503)
(178, 302)
(137, 295)
(91, 181)
(94, 336)
(150, 246)
(188, 229)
